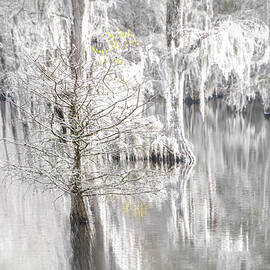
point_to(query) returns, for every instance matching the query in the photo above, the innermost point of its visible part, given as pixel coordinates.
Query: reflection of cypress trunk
(80, 234)
(99, 258)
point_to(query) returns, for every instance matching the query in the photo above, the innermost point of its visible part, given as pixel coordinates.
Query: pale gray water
(215, 217)
(34, 231)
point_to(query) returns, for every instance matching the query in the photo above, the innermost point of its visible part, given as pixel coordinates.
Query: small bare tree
(83, 116)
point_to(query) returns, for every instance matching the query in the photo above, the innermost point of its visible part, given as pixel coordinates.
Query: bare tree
(83, 117)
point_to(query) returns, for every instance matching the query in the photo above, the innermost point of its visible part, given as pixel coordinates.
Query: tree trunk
(80, 234)
(172, 20)
(78, 7)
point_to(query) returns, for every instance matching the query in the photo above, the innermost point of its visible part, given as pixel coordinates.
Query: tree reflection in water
(213, 216)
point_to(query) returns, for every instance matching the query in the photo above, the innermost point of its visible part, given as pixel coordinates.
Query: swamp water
(215, 216)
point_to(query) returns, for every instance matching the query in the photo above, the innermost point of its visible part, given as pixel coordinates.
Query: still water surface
(216, 216)
(213, 216)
